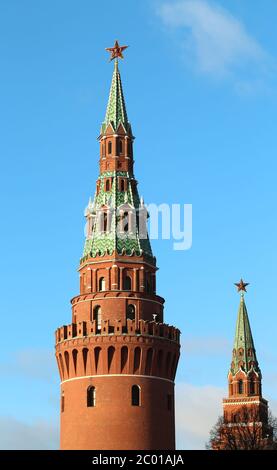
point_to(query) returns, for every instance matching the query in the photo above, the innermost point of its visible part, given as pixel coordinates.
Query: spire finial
(241, 286)
(116, 51)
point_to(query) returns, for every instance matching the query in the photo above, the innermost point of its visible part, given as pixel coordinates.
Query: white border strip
(117, 375)
(255, 402)
(113, 297)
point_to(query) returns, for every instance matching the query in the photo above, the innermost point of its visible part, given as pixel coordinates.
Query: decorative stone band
(120, 294)
(108, 259)
(117, 375)
(133, 328)
(247, 401)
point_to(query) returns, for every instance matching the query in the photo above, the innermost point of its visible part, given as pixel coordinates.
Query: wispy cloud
(39, 435)
(216, 43)
(32, 363)
(197, 409)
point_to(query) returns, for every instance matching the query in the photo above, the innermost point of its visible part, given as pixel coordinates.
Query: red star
(242, 286)
(116, 51)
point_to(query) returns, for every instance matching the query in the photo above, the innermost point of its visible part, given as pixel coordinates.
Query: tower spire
(117, 358)
(245, 411)
(245, 357)
(118, 226)
(116, 113)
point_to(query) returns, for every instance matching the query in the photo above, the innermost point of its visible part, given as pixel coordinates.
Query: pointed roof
(116, 113)
(133, 243)
(244, 350)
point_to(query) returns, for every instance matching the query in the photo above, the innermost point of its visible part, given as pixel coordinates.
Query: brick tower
(245, 410)
(117, 358)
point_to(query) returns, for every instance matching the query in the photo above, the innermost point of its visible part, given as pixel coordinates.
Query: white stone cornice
(116, 375)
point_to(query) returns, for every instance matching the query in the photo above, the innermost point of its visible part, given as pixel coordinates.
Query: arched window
(124, 359)
(74, 356)
(122, 185)
(149, 358)
(240, 387)
(102, 284)
(137, 360)
(252, 387)
(97, 316)
(110, 147)
(135, 395)
(97, 358)
(85, 358)
(66, 358)
(62, 402)
(111, 354)
(148, 286)
(91, 396)
(125, 222)
(160, 362)
(120, 146)
(105, 221)
(107, 185)
(127, 283)
(131, 312)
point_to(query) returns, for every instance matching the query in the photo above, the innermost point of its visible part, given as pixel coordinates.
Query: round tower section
(117, 385)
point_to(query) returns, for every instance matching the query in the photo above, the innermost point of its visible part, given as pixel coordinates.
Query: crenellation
(144, 328)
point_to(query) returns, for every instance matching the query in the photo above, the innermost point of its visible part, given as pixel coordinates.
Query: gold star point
(241, 286)
(116, 51)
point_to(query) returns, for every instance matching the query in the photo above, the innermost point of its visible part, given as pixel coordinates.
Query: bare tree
(247, 432)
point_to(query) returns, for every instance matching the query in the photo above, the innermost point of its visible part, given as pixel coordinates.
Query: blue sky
(200, 86)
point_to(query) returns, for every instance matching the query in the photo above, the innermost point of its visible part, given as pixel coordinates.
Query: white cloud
(215, 41)
(33, 363)
(197, 410)
(39, 435)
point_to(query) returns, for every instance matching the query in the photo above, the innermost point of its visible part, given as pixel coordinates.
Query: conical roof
(116, 113)
(244, 353)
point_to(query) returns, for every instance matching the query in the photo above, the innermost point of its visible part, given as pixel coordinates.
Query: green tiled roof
(244, 349)
(116, 110)
(102, 243)
(106, 243)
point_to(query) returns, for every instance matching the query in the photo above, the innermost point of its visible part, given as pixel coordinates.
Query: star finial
(116, 51)
(242, 286)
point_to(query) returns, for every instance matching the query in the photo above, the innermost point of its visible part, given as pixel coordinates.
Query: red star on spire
(242, 286)
(116, 51)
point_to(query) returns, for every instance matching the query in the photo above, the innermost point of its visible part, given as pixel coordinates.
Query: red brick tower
(117, 359)
(245, 410)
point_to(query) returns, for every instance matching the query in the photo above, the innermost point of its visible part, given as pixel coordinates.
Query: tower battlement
(132, 328)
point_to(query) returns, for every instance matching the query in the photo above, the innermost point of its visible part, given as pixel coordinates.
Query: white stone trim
(118, 260)
(255, 402)
(117, 375)
(119, 297)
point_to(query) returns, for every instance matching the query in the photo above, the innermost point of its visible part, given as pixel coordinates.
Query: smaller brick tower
(245, 406)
